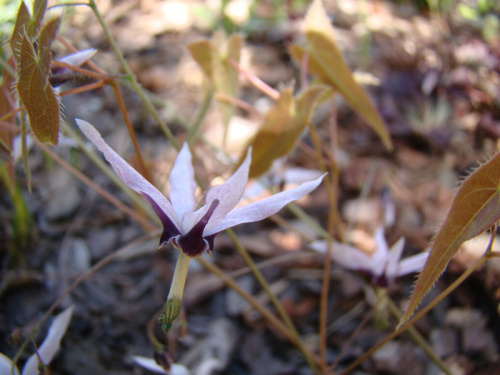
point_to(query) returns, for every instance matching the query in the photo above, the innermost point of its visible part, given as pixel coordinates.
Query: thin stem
(323, 305)
(99, 190)
(307, 219)
(276, 323)
(85, 88)
(106, 260)
(85, 72)
(277, 305)
(334, 226)
(67, 5)
(239, 103)
(257, 82)
(334, 170)
(111, 175)
(131, 77)
(201, 115)
(418, 315)
(6, 66)
(419, 339)
(71, 48)
(121, 104)
(355, 333)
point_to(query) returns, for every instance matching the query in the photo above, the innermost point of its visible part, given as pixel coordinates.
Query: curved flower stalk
(188, 229)
(384, 265)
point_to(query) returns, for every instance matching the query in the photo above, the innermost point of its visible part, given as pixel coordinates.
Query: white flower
(59, 75)
(46, 352)
(151, 365)
(187, 228)
(78, 58)
(384, 265)
(279, 175)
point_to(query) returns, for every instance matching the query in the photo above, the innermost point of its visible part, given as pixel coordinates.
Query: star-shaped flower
(190, 229)
(384, 265)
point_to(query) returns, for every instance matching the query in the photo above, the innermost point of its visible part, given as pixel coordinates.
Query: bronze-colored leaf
(326, 61)
(45, 39)
(22, 20)
(476, 208)
(282, 126)
(37, 95)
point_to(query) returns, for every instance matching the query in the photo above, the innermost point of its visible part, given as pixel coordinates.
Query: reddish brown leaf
(37, 95)
(45, 39)
(39, 8)
(475, 208)
(23, 18)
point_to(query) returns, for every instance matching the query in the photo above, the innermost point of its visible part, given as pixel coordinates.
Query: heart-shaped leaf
(326, 61)
(476, 208)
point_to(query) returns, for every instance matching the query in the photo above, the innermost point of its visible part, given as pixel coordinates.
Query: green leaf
(37, 95)
(326, 61)
(476, 208)
(213, 60)
(282, 126)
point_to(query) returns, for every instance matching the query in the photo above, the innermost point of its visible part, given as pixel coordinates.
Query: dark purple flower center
(169, 228)
(193, 243)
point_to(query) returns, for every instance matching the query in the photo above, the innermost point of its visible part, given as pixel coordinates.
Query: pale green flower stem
(173, 304)
(179, 279)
